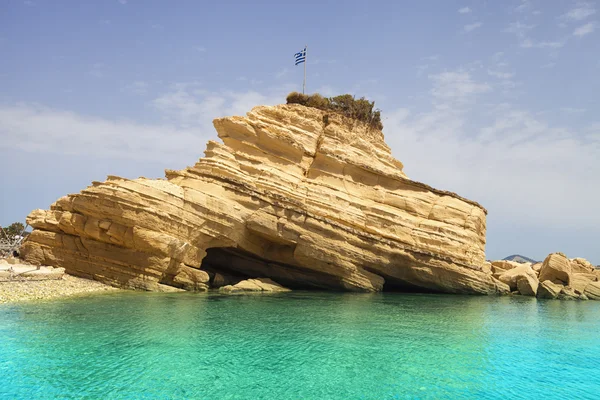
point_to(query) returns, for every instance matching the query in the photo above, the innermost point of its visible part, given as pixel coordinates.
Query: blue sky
(495, 100)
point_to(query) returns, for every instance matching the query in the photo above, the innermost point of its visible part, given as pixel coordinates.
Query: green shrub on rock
(345, 104)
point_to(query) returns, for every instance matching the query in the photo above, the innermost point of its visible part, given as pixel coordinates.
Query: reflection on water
(299, 345)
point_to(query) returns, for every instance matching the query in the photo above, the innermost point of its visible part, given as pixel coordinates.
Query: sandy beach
(68, 286)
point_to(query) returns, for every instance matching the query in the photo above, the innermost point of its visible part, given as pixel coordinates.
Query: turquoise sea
(300, 345)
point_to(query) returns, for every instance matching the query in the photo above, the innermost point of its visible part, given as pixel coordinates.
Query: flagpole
(305, 54)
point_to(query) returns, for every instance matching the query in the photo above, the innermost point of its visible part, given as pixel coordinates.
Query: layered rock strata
(306, 198)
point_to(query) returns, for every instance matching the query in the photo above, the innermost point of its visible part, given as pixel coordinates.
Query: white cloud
(573, 110)
(584, 29)
(464, 10)
(529, 43)
(187, 111)
(500, 74)
(123, 2)
(35, 128)
(200, 49)
(518, 28)
(137, 87)
(510, 161)
(525, 4)
(473, 26)
(456, 87)
(580, 13)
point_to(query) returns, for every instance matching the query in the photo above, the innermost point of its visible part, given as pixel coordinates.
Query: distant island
(520, 259)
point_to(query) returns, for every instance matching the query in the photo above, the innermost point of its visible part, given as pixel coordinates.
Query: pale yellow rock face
(580, 281)
(556, 268)
(287, 195)
(592, 291)
(548, 290)
(498, 267)
(254, 285)
(512, 276)
(527, 285)
(581, 265)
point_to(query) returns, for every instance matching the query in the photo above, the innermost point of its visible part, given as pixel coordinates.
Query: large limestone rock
(500, 266)
(308, 199)
(527, 285)
(556, 268)
(548, 290)
(592, 291)
(254, 285)
(580, 281)
(582, 265)
(512, 276)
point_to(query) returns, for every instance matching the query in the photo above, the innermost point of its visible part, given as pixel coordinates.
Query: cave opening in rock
(229, 265)
(395, 285)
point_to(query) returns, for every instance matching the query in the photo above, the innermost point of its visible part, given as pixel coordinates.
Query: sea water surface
(299, 345)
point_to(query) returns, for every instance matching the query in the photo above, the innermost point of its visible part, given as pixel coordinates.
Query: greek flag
(300, 57)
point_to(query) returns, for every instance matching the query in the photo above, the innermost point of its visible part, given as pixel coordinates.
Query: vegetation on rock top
(345, 104)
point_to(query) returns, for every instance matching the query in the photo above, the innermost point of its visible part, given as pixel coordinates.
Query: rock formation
(254, 285)
(307, 198)
(556, 278)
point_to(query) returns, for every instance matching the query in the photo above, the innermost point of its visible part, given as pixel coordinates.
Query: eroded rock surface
(254, 285)
(306, 198)
(556, 278)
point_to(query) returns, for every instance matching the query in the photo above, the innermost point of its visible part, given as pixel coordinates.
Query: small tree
(345, 104)
(14, 229)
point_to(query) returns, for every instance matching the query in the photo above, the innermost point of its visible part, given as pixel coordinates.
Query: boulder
(527, 285)
(486, 267)
(548, 290)
(501, 287)
(592, 291)
(191, 279)
(556, 268)
(580, 281)
(567, 293)
(221, 279)
(254, 285)
(537, 266)
(511, 276)
(504, 265)
(581, 265)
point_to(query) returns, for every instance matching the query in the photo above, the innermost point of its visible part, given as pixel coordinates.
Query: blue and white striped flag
(300, 57)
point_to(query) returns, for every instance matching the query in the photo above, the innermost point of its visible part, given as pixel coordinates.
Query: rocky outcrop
(592, 291)
(556, 278)
(581, 265)
(556, 268)
(512, 276)
(527, 285)
(503, 265)
(254, 285)
(548, 290)
(306, 198)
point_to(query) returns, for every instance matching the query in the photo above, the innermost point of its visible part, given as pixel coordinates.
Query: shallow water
(299, 345)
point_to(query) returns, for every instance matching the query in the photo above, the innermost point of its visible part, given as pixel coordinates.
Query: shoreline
(14, 292)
